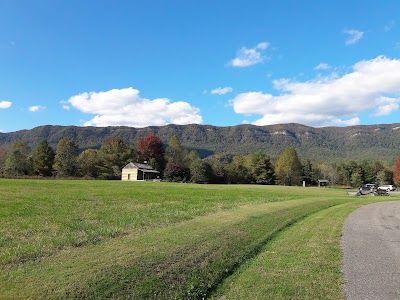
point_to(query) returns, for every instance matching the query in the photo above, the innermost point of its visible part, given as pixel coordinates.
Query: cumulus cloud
(5, 104)
(125, 107)
(248, 57)
(322, 66)
(371, 86)
(221, 91)
(386, 106)
(36, 108)
(354, 36)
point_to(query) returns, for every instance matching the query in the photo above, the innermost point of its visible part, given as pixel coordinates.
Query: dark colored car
(367, 188)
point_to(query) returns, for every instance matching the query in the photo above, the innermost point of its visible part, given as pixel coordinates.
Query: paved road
(371, 252)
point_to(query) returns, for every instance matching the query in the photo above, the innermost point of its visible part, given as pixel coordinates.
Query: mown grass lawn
(144, 240)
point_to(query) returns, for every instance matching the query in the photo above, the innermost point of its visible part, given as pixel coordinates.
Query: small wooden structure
(138, 171)
(323, 183)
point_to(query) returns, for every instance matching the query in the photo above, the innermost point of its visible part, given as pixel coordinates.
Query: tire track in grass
(184, 261)
(302, 262)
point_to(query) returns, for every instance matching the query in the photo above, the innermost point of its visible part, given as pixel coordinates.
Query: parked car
(388, 187)
(367, 189)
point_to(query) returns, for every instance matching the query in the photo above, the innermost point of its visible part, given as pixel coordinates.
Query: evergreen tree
(114, 154)
(18, 161)
(308, 173)
(65, 160)
(370, 171)
(288, 167)
(357, 178)
(43, 159)
(261, 168)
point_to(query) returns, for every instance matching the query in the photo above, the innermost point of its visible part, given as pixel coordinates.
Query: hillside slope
(381, 142)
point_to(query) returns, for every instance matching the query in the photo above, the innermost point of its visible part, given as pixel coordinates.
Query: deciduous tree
(177, 168)
(3, 157)
(200, 171)
(88, 162)
(65, 161)
(175, 152)
(239, 171)
(288, 167)
(151, 149)
(384, 177)
(176, 172)
(396, 172)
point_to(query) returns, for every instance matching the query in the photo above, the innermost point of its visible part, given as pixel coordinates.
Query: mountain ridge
(379, 141)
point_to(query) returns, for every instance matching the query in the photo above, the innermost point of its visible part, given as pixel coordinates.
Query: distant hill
(378, 142)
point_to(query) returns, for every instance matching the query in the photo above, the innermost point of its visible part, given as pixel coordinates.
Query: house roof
(141, 167)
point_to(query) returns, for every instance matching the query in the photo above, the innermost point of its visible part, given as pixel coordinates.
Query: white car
(388, 187)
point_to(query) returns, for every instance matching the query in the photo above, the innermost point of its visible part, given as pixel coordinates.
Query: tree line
(176, 163)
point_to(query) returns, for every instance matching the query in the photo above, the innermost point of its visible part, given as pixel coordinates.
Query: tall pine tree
(261, 168)
(43, 159)
(113, 155)
(18, 161)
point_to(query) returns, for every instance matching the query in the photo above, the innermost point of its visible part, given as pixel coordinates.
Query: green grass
(104, 239)
(302, 262)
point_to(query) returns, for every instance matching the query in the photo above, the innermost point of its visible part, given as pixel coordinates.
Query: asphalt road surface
(371, 252)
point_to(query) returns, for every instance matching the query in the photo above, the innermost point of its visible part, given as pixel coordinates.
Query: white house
(137, 171)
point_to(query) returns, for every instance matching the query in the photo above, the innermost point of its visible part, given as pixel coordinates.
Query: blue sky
(224, 63)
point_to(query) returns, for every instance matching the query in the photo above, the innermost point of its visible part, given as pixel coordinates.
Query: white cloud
(125, 107)
(354, 36)
(36, 108)
(262, 45)
(389, 26)
(5, 104)
(65, 105)
(322, 66)
(221, 91)
(386, 106)
(328, 101)
(249, 57)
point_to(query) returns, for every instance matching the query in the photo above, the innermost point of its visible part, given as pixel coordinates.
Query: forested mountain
(378, 142)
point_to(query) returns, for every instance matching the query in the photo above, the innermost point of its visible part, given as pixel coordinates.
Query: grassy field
(145, 240)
